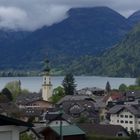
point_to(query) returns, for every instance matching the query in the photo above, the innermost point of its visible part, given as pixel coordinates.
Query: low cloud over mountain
(33, 14)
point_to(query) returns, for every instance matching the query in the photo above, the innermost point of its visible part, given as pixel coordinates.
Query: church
(34, 104)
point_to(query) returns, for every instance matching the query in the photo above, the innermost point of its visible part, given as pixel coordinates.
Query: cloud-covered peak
(33, 14)
(23, 19)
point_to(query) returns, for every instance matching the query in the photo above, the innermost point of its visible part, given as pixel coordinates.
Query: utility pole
(61, 124)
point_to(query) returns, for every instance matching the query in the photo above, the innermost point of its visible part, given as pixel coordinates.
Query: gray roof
(100, 103)
(81, 105)
(92, 89)
(50, 116)
(8, 107)
(4, 120)
(134, 109)
(135, 94)
(74, 98)
(102, 130)
(24, 99)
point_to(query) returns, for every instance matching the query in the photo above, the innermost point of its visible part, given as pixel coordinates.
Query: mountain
(134, 18)
(122, 60)
(86, 31)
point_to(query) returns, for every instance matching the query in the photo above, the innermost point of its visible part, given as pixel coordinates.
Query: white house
(127, 116)
(10, 128)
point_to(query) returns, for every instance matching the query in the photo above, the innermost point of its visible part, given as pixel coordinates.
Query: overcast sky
(33, 14)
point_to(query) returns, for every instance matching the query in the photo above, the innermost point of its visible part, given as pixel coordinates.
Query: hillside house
(78, 106)
(127, 116)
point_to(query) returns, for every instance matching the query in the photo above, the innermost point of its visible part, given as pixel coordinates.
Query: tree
(123, 87)
(108, 87)
(58, 93)
(7, 93)
(69, 84)
(26, 136)
(133, 135)
(137, 81)
(14, 87)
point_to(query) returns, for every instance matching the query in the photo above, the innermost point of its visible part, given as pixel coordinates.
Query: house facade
(38, 104)
(126, 116)
(10, 128)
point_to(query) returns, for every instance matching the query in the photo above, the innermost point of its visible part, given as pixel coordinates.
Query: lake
(34, 84)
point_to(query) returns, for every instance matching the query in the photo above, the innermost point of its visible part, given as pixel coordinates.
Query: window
(130, 122)
(130, 116)
(122, 121)
(126, 121)
(120, 134)
(117, 121)
(126, 116)
(121, 116)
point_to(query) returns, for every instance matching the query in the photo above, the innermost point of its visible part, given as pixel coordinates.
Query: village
(89, 113)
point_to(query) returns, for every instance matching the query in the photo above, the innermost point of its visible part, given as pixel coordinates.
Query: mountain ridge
(123, 60)
(87, 31)
(84, 36)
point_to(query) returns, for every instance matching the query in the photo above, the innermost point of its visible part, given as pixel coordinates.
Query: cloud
(31, 19)
(12, 17)
(33, 14)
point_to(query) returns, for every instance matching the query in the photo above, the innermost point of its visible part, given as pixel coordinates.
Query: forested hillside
(86, 31)
(123, 60)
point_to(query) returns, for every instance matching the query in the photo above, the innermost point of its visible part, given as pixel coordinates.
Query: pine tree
(69, 84)
(108, 87)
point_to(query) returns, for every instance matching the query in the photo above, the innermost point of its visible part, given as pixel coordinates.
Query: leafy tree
(108, 87)
(123, 87)
(25, 91)
(133, 135)
(133, 87)
(82, 119)
(14, 87)
(58, 93)
(69, 84)
(137, 81)
(25, 136)
(7, 93)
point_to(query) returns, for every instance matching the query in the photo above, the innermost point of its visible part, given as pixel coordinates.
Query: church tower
(46, 86)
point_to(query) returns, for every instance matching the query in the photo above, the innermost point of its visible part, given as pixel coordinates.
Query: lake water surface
(34, 83)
